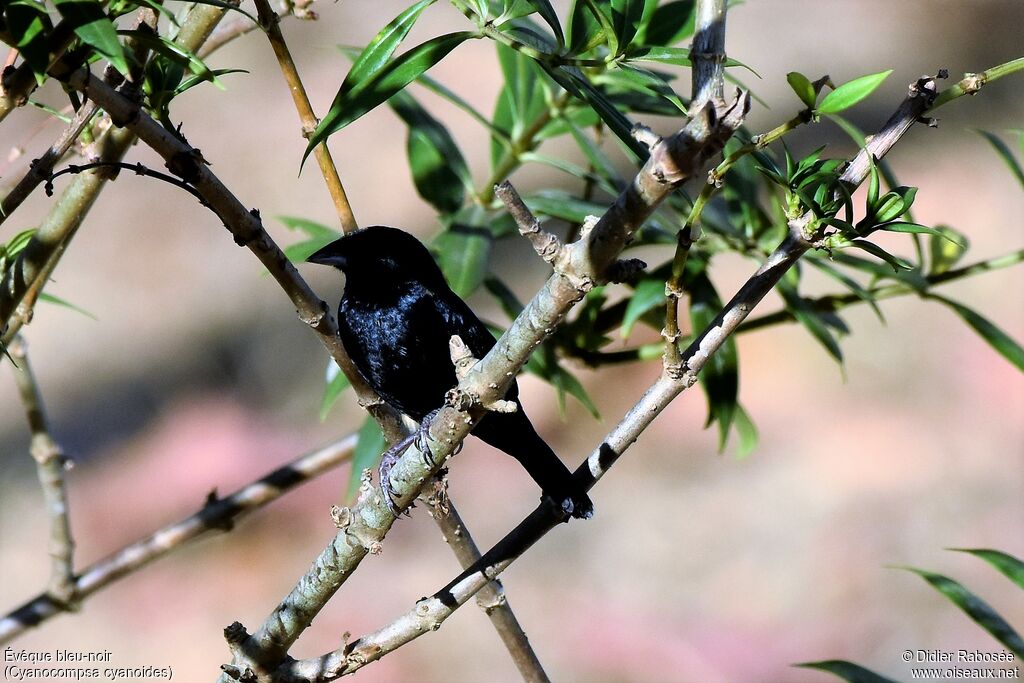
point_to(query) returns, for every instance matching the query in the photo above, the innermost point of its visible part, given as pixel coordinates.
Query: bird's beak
(328, 256)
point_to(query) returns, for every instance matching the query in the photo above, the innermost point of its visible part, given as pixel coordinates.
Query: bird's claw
(391, 456)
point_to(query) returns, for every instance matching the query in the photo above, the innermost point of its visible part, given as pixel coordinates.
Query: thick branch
(707, 52)
(216, 513)
(50, 462)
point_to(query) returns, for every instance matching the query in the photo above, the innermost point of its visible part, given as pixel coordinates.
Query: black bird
(396, 316)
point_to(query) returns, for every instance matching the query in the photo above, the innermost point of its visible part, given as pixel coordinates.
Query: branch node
(625, 270)
(544, 243)
(235, 633)
(187, 164)
(342, 516)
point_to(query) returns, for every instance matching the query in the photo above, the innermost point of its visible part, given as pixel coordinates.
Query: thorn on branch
(544, 243)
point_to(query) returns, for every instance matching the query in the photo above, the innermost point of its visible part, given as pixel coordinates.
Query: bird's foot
(388, 461)
(391, 456)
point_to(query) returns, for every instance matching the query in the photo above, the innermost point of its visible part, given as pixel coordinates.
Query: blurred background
(197, 375)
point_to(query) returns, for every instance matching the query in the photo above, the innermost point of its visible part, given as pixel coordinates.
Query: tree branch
(707, 53)
(271, 24)
(50, 465)
(216, 513)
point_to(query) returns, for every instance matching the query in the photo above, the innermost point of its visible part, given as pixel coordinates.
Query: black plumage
(396, 317)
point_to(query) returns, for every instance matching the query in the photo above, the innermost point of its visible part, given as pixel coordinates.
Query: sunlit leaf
(803, 88)
(851, 92)
(91, 23)
(668, 24)
(1005, 154)
(648, 294)
(1010, 566)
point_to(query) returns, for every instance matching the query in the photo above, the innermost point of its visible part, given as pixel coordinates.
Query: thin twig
(215, 514)
(50, 465)
(271, 24)
(491, 598)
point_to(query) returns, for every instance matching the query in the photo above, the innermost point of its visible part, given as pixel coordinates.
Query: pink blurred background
(697, 567)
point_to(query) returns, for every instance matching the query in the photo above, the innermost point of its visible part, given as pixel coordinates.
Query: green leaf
(647, 81)
(626, 15)
(648, 295)
(746, 430)
(977, 609)
(583, 32)
(668, 24)
(510, 303)
(439, 170)
(336, 383)
(849, 283)
(29, 23)
(852, 92)
(311, 228)
(378, 51)
(461, 103)
(43, 296)
(810, 319)
(676, 56)
(464, 251)
(369, 447)
(1003, 343)
(547, 13)
(896, 262)
(894, 204)
(848, 671)
(1008, 565)
(522, 87)
(803, 88)
(917, 229)
(545, 365)
(349, 105)
(575, 82)
(944, 253)
(95, 28)
(174, 52)
(1005, 154)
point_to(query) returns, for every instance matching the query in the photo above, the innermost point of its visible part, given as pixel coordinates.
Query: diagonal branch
(216, 514)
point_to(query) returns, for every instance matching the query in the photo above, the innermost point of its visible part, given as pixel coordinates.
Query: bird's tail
(514, 434)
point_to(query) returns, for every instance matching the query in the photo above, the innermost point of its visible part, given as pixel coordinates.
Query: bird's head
(380, 256)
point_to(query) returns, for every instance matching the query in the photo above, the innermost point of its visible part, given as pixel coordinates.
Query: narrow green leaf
(668, 24)
(464, 251)
(566, 383)
(874, 187)
(647, 81)
(851, 92)
(43, 296)
(977, 609)
(174, 52)
(564, 206)
(1007, 564)
(574, 81)
(676, 56)
(801, 85)
(583, 32)
(1003, 343)
(351, 104)
(193, 81)
(335, 384)
(29, 23)
(917, 229)
(443, 91)
(522, 86)
(378, 51)
(1005, 154)
(547, 13)
(510, 303)
(896, 262)
(598, 10)
(626, 15)
(95, 28)
(439, 170)
(848, 671)
(746, 430)
(369, 447)
(849, 283)
(811, 319)
(648, 295)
